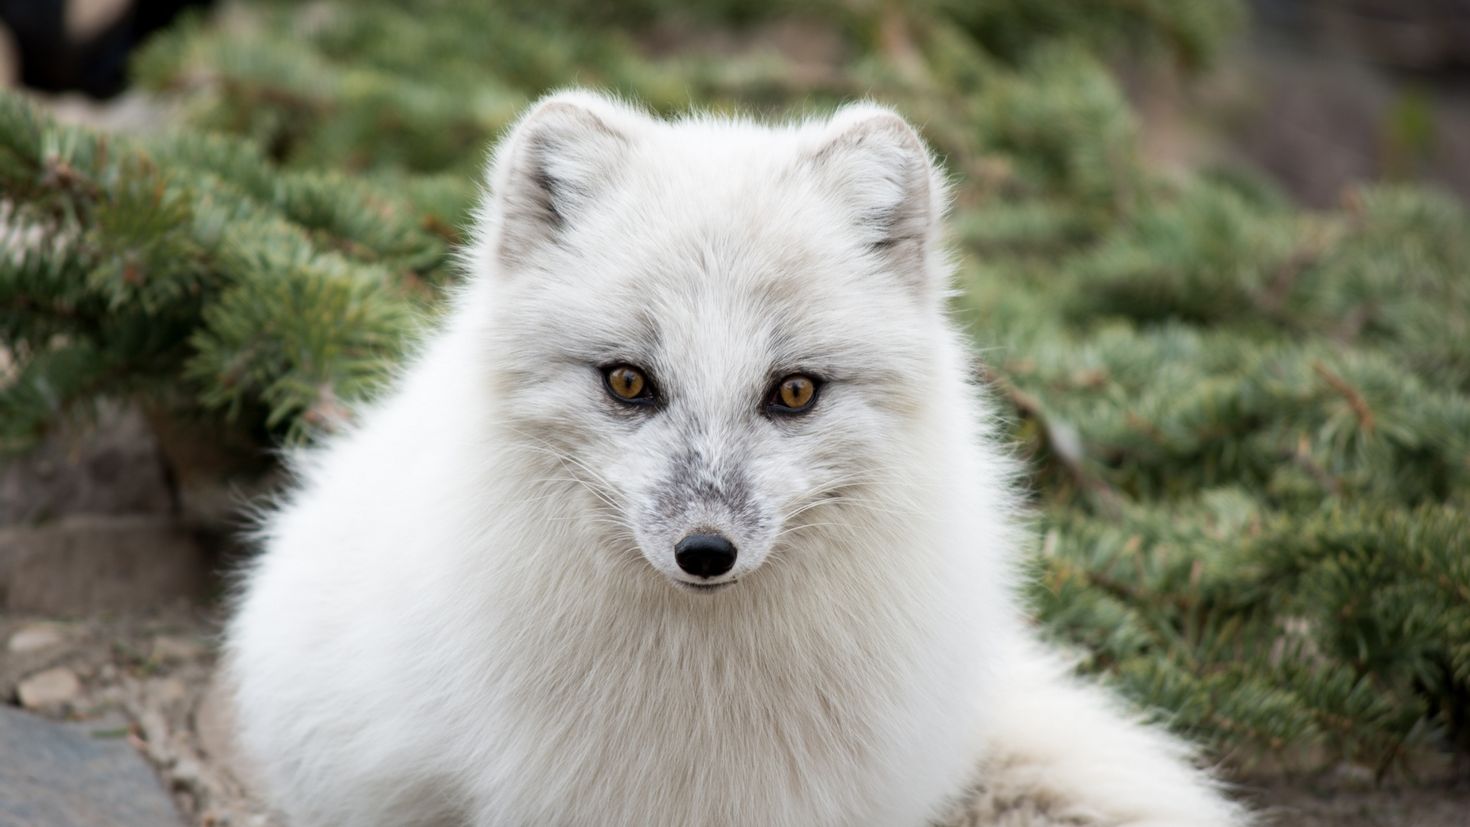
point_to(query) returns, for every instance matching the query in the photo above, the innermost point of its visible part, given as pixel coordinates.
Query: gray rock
(65, 775)
(114, 468)
(88, 564)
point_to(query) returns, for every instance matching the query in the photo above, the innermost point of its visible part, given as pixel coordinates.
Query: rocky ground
(149, 683)
(146, 682)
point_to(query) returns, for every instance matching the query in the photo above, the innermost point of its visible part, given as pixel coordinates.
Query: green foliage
(1248, 425)
(1189, 31)
(186, 267)
(1251, 431)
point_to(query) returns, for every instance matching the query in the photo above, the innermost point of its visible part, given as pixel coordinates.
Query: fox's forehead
(706, 312)
(710, 262)
(719, 250)
(718, 200)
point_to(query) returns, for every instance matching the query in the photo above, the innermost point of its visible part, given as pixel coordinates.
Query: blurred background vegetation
(1236, 358)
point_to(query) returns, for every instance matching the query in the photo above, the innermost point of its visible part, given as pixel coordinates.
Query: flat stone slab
(86, 564)
(65, 775)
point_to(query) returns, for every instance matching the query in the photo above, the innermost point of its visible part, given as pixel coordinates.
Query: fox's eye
(794, 394)
(628, 384)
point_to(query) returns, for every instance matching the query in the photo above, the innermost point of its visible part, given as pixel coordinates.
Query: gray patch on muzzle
(696, 492)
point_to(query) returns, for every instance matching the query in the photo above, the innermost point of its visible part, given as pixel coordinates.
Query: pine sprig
(136, 263)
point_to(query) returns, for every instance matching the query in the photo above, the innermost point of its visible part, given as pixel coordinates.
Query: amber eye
(628, 384)
(793, 394)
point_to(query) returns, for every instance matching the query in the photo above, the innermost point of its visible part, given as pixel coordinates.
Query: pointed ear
(556, 162)
(877, 165)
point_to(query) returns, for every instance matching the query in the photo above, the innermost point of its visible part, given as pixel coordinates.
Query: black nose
(705, 555)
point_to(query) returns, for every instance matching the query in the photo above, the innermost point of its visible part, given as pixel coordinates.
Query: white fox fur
(470, 612)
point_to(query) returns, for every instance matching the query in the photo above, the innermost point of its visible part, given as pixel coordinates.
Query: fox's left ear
(877, 165)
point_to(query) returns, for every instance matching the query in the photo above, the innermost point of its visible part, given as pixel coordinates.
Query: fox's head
(720, 338)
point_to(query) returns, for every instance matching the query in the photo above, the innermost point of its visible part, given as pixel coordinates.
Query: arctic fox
(687, 516)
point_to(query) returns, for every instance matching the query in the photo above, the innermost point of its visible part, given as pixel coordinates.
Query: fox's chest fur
(763, 706)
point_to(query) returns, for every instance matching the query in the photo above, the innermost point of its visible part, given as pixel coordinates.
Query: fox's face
(716, 335)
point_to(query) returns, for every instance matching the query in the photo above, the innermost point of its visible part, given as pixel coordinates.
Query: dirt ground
(155, 677)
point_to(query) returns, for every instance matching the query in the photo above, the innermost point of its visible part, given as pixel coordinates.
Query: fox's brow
(635, 339)
(847, 361)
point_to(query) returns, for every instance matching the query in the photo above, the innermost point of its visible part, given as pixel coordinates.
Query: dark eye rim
(648, 398)
(775, 407)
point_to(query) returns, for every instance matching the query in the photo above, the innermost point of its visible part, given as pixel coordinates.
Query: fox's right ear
(560, 158)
